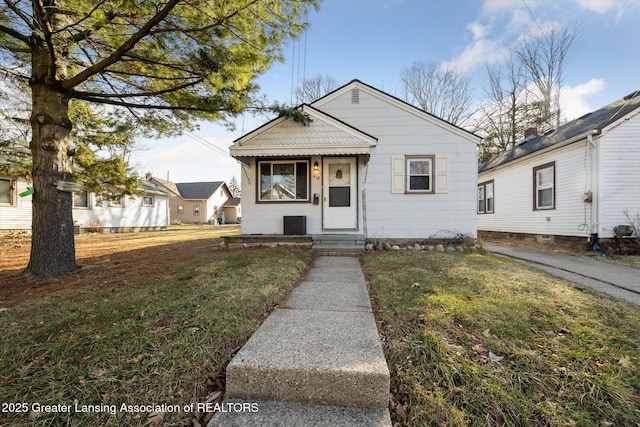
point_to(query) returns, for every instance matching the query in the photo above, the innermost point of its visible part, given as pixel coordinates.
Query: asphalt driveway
(616, 280)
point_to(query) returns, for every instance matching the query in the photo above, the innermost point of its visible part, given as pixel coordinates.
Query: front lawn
(472, 339)
(87, 350)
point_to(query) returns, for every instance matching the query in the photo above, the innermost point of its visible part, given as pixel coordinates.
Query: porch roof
(324, 135)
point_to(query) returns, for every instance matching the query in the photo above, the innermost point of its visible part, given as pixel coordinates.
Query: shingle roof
(151, 187)
(325, 135)
(168, 184)
(233, 201)
(198, 190)
(594, 121)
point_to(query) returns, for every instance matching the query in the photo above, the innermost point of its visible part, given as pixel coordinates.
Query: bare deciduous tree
(442, 92)
(500, 117)
(315, 88)
(543, 59)
(524, 92)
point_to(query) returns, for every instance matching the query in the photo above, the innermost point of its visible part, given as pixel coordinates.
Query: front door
(340, 193)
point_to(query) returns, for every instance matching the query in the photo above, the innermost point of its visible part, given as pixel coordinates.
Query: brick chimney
(530, 132)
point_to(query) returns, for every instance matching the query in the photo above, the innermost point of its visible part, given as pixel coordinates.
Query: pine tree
(158, 67)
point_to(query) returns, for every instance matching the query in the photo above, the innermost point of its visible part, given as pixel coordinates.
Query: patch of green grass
(138, 345)
(482, 341)
(628, 260)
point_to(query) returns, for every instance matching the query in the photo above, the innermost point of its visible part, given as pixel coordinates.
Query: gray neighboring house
(201, 202)
(575, 182)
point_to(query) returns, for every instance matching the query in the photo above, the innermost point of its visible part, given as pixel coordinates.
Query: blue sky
(374, 40)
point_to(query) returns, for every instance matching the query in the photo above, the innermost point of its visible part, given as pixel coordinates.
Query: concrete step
(316, 361)
(318, 357)
(338, 249)
(337, 237)
(278, 414)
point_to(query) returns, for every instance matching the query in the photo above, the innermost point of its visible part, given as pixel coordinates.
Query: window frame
(196, 210)
(408, 175)
(180, 209)
(73, 200)
(552, 186)
(146, 203)
(115, 204)
(485, 201)
(12, 192)
(271, 163)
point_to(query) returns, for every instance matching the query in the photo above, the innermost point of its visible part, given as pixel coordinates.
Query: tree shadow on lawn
(139, 267)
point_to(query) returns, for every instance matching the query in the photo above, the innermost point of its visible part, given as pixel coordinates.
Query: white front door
(340, 193)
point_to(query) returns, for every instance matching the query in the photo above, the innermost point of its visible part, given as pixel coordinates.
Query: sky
(375, 40)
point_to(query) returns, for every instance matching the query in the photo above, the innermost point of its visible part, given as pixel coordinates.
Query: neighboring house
(232, 211)
(200, 202)
(15, 211)
(368, 163)
(149, 211)
(577, 181)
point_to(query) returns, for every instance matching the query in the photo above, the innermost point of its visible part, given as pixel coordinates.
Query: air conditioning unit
(295, 225)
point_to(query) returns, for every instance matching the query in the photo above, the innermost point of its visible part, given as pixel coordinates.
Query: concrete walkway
(612, 279)
(317, 361)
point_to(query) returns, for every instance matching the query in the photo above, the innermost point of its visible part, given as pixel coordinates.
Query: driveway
(612, 279)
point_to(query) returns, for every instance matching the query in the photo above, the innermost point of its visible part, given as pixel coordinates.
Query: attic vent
(355, 96)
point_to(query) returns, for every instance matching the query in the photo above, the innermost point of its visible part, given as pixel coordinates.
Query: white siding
(390, 212)
(18, 216)
(513, 195)
(132, 214)
(401, 132)
(619, 178)
(267, 218)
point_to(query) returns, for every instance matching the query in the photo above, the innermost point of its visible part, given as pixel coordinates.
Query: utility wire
(209, 144)
(532, 16)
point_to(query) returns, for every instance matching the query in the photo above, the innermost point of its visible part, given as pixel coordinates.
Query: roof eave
(559, 145)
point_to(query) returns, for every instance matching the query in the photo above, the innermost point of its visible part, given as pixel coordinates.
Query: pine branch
(123, 49)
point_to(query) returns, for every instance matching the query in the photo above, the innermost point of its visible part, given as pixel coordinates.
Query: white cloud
(482, 51)
(598, 6)
(478, 30)
(572, 98)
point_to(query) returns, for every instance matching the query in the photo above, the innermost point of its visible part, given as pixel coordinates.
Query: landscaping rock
(439, 248)
(450, 249)
(417, 247)
(459, 249)
(430, 248)
(395, 247)
(368, 247)
(387, 246)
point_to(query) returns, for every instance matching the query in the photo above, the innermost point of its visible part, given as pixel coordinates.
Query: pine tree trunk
(52, 241)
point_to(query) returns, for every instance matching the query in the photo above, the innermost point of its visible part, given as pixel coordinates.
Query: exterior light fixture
(339, 174)
(316, 166)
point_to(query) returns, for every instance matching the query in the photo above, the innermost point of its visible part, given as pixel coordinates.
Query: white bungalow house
(367, 164)
(576, 182)
(149, 211)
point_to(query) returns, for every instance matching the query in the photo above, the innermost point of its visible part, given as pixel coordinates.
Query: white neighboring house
(149, 211)
(368, 163)
(15, 211)
(576, 181)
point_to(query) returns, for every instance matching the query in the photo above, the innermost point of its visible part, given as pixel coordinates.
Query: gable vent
(355, 96)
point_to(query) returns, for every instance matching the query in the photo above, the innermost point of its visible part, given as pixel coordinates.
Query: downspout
(595, 188)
